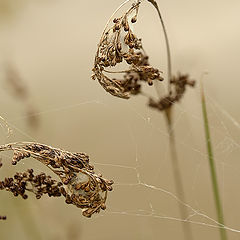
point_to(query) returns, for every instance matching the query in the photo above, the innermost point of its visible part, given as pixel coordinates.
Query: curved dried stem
(169, 61)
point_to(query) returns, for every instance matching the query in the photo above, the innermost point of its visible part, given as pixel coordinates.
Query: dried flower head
(119, 44)
(37, 184)
(179, 84)
(80, 185)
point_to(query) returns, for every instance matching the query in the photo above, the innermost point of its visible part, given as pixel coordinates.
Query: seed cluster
(80, 185)
(179, 84)
(119, 44)
(38, 184)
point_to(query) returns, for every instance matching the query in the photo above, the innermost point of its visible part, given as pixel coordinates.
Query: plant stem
(175, 163)
(154, 3)
(177, 176)
(216, 194)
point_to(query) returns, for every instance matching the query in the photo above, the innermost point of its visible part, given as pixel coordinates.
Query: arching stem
(169, 61)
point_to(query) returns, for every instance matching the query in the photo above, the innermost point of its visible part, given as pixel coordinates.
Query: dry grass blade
(79, 184)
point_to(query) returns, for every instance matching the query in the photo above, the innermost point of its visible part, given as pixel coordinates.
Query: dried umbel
(119, 44)
(178, 84)
(80, 185)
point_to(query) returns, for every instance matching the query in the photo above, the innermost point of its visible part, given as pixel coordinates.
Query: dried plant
(15, 82)
(179, 85)
(110, 53)
(19, 90)
(79, 184)
(38, 184)
(119, 44)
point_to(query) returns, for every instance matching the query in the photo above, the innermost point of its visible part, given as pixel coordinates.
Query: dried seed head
(82, 187)
(179, 84)
(111, 52)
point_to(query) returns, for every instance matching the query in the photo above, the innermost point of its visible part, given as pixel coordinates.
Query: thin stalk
(178, 177)
(174, 158)
(169, 61)
(216, 194)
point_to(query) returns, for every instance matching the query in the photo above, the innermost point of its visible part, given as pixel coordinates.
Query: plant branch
(175, 163)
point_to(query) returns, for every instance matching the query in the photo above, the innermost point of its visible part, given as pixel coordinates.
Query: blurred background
(49, 47)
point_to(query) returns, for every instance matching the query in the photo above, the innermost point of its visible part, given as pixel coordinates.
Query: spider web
(141, 183)
(129, 143)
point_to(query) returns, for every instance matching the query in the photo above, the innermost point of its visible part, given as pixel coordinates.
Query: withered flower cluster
(119, 44)
(79, 184)
(178, 84)
(37, 184)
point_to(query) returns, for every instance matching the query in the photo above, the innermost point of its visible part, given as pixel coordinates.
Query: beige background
(52, 45)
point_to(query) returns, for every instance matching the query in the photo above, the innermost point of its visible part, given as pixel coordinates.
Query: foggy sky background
(52, 44)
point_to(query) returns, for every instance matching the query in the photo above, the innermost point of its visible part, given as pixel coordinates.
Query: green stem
(216, 194)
